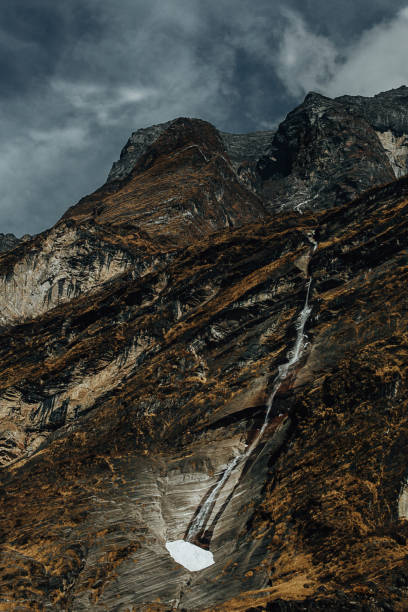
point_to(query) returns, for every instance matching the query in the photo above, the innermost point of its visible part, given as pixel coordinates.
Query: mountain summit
(203, 391)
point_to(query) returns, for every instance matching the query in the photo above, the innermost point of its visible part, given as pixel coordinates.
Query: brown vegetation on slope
(120, 410)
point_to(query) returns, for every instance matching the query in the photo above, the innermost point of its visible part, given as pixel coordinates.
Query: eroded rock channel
(199, 530)
(210, 353)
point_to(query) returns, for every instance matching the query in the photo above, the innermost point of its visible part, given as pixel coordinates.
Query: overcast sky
(78, 76)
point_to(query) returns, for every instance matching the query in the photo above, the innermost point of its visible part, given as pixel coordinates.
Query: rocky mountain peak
(324, 149)
(387, 115)
(386, 111)
(334, 149)
(315, 99)
(204, 375)
(159, 138)
(135, 147)
(10, 241)
(177, 183)
(397, 92)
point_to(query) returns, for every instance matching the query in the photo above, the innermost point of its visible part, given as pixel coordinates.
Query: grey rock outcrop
(145, 345)
(387, 110)
(247, 147)
(320, 156)
(8, 242)
(137, 144)
(387, 113)
(65, 262)
(240, 148)
(326, 151)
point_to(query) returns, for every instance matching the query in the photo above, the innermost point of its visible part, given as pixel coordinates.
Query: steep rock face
(384, 111)
(58, 265)
(10, 241)
(244, 151)
(240, 148)
(140, 398)
(135, 147)
(182, 187)
(7, 242)
(387, 114)
(140, 350)
(65, 262)
(247, 147)
(320, 154)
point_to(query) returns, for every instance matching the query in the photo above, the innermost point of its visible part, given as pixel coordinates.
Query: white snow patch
(189, 555)
(403, 503)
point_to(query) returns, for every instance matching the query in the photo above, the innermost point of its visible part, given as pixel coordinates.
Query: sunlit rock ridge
(203, 383)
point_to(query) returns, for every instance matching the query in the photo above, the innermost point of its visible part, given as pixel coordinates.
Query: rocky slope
(386, 113)
(322, 154)
(142, 337)
(10, 241)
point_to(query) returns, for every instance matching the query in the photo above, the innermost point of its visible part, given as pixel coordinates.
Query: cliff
(10, 241)
(192, 340)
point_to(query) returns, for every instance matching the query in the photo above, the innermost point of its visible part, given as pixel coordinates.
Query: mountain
(194, 353)
(10, 241)
(328, 151)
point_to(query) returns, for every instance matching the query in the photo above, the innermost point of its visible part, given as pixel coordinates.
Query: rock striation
(182, 187)
(332, 150)
(10, 241)
(386, 113)
(136, 146)
(322, 153)
(143, 338)
(250, 147)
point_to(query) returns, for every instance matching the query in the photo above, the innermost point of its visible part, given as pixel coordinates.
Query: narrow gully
(190, 555)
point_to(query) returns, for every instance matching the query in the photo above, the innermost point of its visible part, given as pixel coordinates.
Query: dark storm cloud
(343, 20)
(78, 76)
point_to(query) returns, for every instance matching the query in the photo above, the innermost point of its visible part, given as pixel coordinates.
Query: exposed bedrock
(386, 113)
(321, 153)
(142, 338)
(403, 502)
(183, 187)
(136, 146)
(240, 148)
(55, 268)
(9, 241)
(157, 501)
